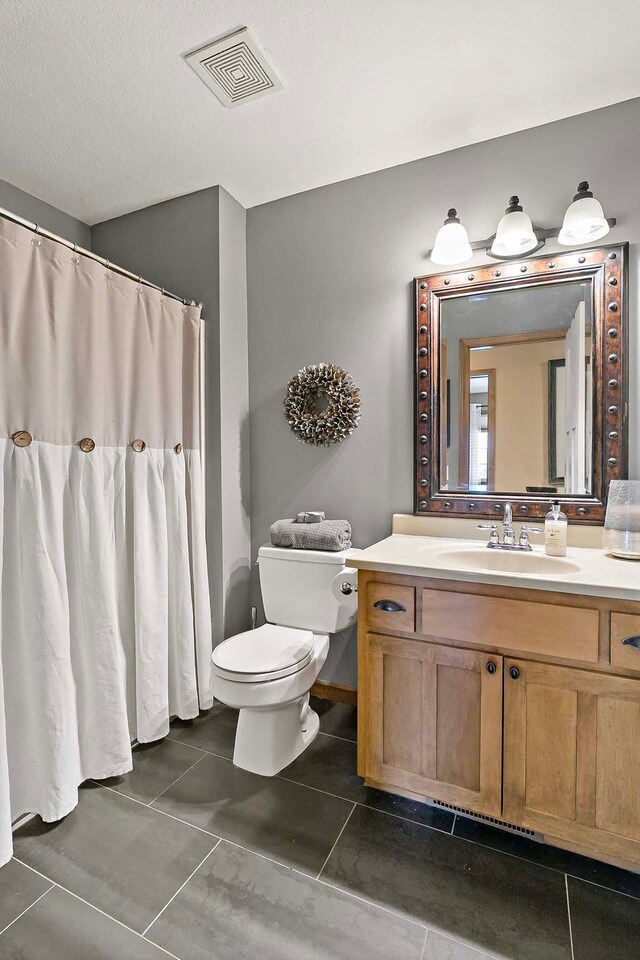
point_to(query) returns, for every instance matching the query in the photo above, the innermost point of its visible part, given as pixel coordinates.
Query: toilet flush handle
(348, 588)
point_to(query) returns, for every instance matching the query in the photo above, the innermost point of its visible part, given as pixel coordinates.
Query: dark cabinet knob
(632, 642)
(390, 606)
(514, 673)
(491, 667)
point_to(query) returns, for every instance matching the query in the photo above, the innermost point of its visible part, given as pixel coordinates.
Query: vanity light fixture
(517, 236)
(514, 236)
(584, 220)
(452, 243)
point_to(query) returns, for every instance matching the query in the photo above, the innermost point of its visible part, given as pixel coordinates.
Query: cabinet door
(572, 756)
(435, 721)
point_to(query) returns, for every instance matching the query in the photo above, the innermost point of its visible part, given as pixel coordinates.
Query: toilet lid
(266, 653)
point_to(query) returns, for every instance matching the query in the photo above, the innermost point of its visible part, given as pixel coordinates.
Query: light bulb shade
(583, 222)
(514, 235)
(452, 243)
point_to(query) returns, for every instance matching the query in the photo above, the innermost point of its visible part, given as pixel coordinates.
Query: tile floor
(191, 858)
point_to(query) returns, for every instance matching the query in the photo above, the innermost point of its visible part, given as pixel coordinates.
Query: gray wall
(30, 208)
(329, 279)
(234, 415)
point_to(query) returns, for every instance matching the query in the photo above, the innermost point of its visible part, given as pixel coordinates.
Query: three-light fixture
(516, 235)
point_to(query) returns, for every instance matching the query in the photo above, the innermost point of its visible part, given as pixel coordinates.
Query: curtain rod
(30, 225)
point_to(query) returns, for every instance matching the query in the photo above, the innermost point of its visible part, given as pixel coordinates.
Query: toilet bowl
(267, 673)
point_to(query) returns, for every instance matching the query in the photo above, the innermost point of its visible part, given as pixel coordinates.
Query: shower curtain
(105, 629)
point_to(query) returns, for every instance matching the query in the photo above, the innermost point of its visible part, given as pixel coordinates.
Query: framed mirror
(521, 385)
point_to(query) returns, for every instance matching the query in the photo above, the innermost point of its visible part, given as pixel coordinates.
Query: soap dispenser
(555, 532)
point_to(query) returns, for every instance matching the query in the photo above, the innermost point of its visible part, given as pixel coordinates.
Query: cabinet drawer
(391, 607)
(547, 629)
(625, 626)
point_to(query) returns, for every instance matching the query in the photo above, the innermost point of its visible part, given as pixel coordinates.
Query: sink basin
(506, 561)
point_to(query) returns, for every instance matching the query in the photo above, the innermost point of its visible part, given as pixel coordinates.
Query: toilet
(267, 673)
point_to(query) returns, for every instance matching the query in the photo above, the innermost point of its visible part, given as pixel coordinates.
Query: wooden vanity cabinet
(514, 703)
(572, 756)
(436, 723)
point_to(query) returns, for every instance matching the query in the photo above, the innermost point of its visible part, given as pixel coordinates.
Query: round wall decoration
(322, 404)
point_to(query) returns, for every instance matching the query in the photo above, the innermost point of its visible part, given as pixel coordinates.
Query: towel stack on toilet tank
(312, 531)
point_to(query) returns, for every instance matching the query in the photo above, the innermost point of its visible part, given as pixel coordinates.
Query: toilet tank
(299, 588)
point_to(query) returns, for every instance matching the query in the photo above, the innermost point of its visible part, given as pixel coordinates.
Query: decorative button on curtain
(105, 629)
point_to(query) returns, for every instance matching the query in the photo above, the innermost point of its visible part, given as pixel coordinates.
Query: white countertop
(599, 575)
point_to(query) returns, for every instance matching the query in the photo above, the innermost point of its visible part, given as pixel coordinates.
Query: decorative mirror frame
(607, 268)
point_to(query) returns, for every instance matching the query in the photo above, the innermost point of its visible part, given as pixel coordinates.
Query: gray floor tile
(238, 906)
(155, 767)
(338, 719)
(60, 927)
(605, 925)
(121, 856)
(214, 730)
(623, 881)
(442, 948)
(283, 820)
(424, 813)
(330, 764)
(19, 888)
(490, 901)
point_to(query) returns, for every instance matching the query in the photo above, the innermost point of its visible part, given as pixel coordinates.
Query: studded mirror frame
(607, 268)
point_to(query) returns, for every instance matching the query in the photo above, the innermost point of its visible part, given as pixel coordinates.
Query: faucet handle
(493, 538)
(524, 534)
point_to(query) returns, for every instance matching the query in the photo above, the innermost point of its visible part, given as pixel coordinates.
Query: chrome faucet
(508, 533)
(508, 536)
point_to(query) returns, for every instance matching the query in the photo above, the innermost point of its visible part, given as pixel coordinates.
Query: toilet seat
(267, 653)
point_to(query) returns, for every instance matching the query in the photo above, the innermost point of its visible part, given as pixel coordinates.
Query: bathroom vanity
(493, 678)
(505, 684)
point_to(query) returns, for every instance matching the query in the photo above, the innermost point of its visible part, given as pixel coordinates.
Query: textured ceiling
(100, 115)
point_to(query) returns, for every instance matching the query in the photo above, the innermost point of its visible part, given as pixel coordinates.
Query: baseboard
(20, 821)
(335, 691)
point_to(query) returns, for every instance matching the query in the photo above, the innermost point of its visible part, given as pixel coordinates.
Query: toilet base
(270, 738)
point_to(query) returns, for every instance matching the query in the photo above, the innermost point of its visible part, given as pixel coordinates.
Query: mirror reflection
(516, 394)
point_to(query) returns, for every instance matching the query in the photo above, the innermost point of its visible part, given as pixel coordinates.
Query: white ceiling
(99, 115)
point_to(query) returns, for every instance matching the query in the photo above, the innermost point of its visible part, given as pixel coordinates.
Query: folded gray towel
(327, 535)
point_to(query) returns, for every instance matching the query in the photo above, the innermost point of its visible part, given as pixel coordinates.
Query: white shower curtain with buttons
(105, 628)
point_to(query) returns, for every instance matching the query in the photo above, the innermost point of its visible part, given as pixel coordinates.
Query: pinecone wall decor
(322, 404)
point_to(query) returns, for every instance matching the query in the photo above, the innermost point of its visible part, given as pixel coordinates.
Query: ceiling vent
(235, 68)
